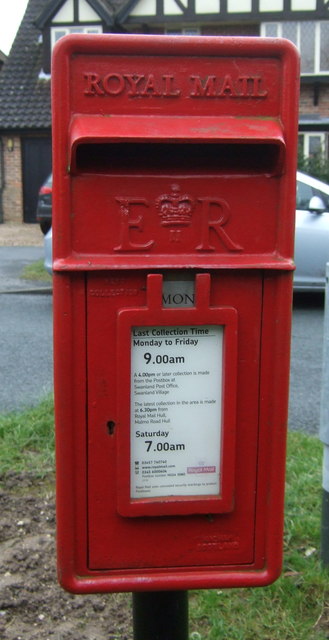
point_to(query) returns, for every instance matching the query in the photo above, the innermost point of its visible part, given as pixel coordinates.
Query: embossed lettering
(214, 215)
(227, 86)
(131, 84)
(133, 81)
(93, 85)
(151, 86)
(127, 224)
(113, 84)
(257, 92)
(228, 89)
(202, 88)
(222, 542)
(208, 224)
(170, 91)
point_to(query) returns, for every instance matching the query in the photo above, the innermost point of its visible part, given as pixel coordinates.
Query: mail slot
(173, 227)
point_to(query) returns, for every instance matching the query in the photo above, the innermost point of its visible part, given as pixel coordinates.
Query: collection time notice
(176, 408)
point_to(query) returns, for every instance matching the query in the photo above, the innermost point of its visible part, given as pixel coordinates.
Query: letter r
(93, 85)
(216, 225)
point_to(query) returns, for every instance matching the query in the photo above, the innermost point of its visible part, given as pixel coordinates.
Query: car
(44, 206)
(48, 252)
(311, 235)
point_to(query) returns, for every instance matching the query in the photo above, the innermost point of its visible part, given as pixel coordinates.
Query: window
(187, 31)
(310, 37)
(59, 32)
(313, 144)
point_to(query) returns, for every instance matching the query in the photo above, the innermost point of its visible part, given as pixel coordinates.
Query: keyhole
(111, 427)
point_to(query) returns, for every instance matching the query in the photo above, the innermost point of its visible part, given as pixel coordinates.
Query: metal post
(160, 615)
(324, 433)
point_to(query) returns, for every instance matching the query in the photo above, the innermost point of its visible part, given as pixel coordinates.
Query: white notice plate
(176, 409)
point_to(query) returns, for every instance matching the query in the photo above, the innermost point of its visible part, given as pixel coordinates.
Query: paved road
(306, 363)
(25, 350)
(26, 345)
(25, 332)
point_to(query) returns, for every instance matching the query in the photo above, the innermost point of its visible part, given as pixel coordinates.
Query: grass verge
(27, 439)
(296, 607)
(36, 271)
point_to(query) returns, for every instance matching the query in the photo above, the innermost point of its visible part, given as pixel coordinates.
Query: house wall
(306, 102)
(12, 193)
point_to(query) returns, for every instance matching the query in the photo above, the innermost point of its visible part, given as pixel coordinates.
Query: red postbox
(173, 226)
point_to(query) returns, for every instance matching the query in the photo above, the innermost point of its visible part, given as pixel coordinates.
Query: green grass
(36, 271)
(296, 607)
(27, 439)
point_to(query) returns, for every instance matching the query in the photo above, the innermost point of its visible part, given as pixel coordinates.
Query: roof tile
(24, 93)
(24, 98)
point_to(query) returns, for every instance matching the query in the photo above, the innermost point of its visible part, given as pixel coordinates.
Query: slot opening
(175, 157)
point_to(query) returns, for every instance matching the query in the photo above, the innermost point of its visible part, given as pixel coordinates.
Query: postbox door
(117, 542)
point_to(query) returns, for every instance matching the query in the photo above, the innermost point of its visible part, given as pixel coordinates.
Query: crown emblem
(175, 209)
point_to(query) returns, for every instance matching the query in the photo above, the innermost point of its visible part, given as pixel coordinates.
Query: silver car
(48, 251)
(312, 235)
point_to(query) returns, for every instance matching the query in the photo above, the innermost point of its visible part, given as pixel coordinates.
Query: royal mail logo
(150, 85)
(175, 209)
(205, 469)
